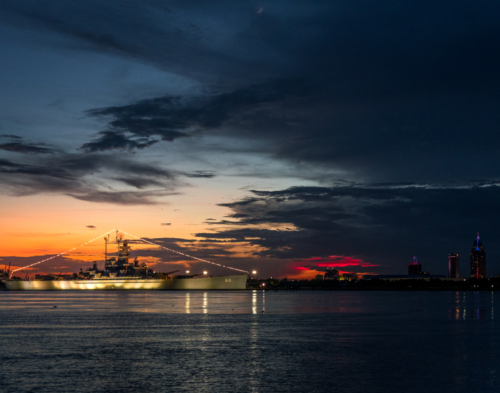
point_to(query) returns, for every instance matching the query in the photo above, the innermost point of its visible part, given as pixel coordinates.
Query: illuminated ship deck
(204, 283)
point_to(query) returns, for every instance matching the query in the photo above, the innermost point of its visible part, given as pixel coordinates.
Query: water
(223, 342)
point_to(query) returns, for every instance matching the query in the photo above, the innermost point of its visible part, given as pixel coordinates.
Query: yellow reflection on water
(205, 302)
(188, 311)
(254, 302)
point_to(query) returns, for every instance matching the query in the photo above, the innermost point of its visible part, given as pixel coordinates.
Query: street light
(187, 271)
(205, 272)
(254, 271)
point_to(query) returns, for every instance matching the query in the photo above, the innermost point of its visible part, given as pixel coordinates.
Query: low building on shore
(393, 277)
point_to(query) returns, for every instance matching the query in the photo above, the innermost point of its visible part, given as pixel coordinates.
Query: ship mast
(105, 251)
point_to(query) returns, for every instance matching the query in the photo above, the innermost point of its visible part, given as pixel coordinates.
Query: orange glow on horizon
(37, 227)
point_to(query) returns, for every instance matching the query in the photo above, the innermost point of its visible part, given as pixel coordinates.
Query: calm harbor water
(223, 342)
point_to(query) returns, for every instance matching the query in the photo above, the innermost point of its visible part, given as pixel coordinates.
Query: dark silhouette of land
(375, 284)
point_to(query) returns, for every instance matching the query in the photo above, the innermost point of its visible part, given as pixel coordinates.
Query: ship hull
(205, 283)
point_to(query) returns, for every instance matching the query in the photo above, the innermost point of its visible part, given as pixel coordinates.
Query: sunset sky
(284, 136)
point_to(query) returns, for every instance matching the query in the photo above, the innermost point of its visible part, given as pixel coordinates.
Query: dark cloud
(110, 140)
(16, 137)
(172, 241)
(137, 31)
(381, 224)
(122, 197)
(192, 247)
(385, 93)
(161, 117)
(138, 182)
(166, 223)
(170, 117)
(13, 168)
(91, 226)
(26, 148)
(73, 166)
(75, 175)
(201, 174)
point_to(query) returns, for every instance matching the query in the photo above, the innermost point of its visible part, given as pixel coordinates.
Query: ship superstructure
(121, 273)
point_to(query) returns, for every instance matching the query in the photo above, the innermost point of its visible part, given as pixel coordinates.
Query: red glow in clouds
(337, 261)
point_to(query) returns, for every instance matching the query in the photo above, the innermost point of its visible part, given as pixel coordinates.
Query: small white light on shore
(254, 272)
(205, 272)
(187, 271)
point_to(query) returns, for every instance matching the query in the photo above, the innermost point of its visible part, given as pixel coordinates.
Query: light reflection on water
(223, 341)
(147, 301)
(475, 305)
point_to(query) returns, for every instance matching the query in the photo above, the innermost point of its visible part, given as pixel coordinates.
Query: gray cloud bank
(385, 93)
(385, 224)
(84, 177)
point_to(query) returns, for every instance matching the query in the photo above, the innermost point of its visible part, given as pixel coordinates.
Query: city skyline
(478, 259)
(283, 138)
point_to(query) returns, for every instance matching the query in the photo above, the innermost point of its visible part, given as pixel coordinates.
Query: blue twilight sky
(283, 134)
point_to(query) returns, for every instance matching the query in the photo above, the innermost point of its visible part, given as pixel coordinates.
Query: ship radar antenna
(106, 239)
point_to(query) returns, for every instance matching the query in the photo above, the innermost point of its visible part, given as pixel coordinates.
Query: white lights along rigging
(186, 255)
(137, 237)
(65, 252)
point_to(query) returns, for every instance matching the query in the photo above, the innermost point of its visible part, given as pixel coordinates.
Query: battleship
(120, 273)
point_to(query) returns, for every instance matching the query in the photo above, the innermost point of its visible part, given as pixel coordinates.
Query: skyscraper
(414, 268)
(453, 266)
(477, 259)
(331, 274)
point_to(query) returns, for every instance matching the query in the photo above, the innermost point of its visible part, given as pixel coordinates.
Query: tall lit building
(414, 268)
(331, 274)
(477, 259)
(453, 266)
